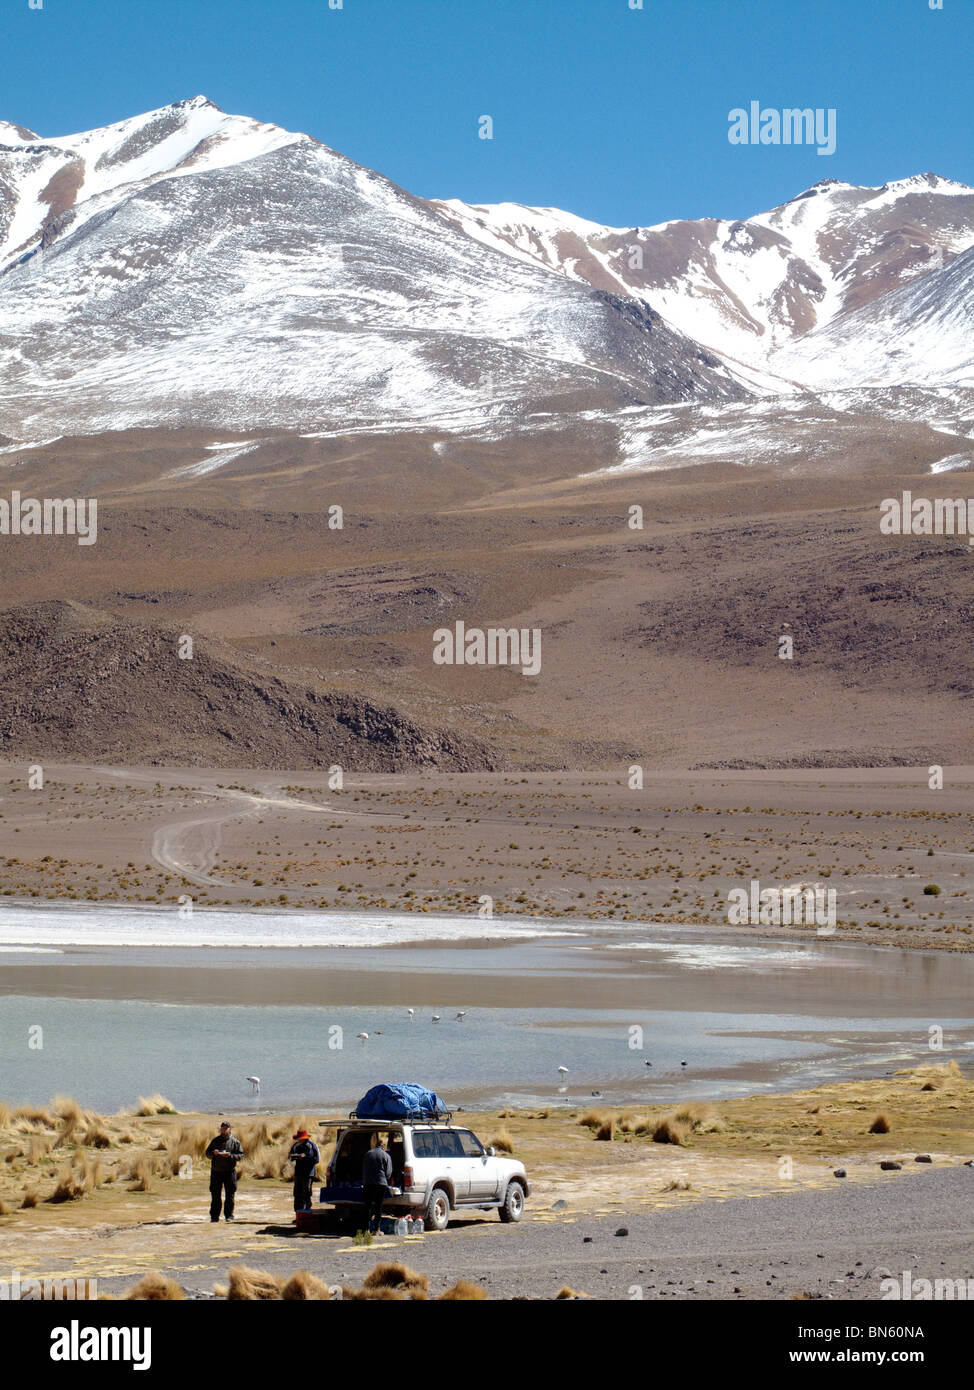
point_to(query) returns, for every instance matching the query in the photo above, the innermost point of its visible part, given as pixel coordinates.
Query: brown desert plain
(312, 649)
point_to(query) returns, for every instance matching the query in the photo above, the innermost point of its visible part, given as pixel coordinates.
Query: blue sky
(616, 114)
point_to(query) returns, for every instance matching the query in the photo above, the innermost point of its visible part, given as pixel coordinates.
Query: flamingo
(435, 1018)
(410, 1012)
(364, 1037)
(562, 1071)
(461, 1015)
(255, 1082)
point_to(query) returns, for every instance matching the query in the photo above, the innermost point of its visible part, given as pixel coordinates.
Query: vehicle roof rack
(411, 1117)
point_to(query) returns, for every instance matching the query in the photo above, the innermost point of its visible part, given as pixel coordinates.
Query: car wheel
(512, 1207)
(438, 1210)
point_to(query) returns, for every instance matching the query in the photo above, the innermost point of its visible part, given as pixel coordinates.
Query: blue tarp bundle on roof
(399, 1100)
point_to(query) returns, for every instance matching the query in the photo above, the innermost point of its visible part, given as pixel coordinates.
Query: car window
(470, 1144)
(424, 1143)
(449, 1144)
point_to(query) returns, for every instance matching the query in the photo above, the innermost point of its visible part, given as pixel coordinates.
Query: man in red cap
(305, 1157)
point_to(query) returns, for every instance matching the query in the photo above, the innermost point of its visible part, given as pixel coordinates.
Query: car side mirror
(489, 1151)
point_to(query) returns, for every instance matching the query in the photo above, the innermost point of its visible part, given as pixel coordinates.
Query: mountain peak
(13, 134)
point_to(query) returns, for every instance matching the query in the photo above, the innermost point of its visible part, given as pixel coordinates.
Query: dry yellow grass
(503, 1142)
(266, 1163)
(75, 1180)
(463, 1291)
(395, 1276)
(669, 1130)
(880, 1125)
(33, 1117)
(154, 1105)
(156, 1288)
(606, 1129)
(252, 1284)
(304, 1287)
(592, 1119)
(141, 1172)
(96, 1136)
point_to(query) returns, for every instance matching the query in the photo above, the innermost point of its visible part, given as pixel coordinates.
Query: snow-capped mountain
(189, 267)
(50, 186)
(920, 333)
(748, 288)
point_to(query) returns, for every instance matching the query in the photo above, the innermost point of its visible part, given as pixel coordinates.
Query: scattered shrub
(669, 1131)
(463, 1291)
(154, 1105)
(155, 1287)
(395, 1276)
(305, 1287)
(246, 1283)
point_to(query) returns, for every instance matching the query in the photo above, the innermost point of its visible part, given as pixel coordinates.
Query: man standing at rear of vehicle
(224, 1152)
(305, 1157)
(376, 1172)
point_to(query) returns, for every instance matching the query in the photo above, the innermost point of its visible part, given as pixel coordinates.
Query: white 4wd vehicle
(437, 1168)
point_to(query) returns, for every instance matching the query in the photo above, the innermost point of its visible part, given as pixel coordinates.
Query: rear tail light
(407, 1176)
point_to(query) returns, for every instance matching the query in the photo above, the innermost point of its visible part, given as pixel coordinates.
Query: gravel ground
(832, 1243)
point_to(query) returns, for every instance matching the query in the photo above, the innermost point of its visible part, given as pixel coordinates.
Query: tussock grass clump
(607, 1129)
(96, 1136)
(156, 1288)
(4, 1209)
(190, 1142)
(30, 1199)
(880, 1125)
(256, 1137)
(74, 1181)
(566, 1291)
(463, 1291)
(155, 1104)
(503, 1142)
(395, 1276)
(141, 1171)
(67, 1109)
(677, 1185)
(6, 1115)
(304, 1287)
(267, 1162)
(934, 1075)
(252, 1284)
(669, 1130)
(32, 1117)
(592, 1119)
(38, 1147)
(701, 1119)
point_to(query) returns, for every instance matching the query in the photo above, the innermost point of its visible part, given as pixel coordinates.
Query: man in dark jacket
(305, 1157)
(376, 1172)
(224, 1152)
